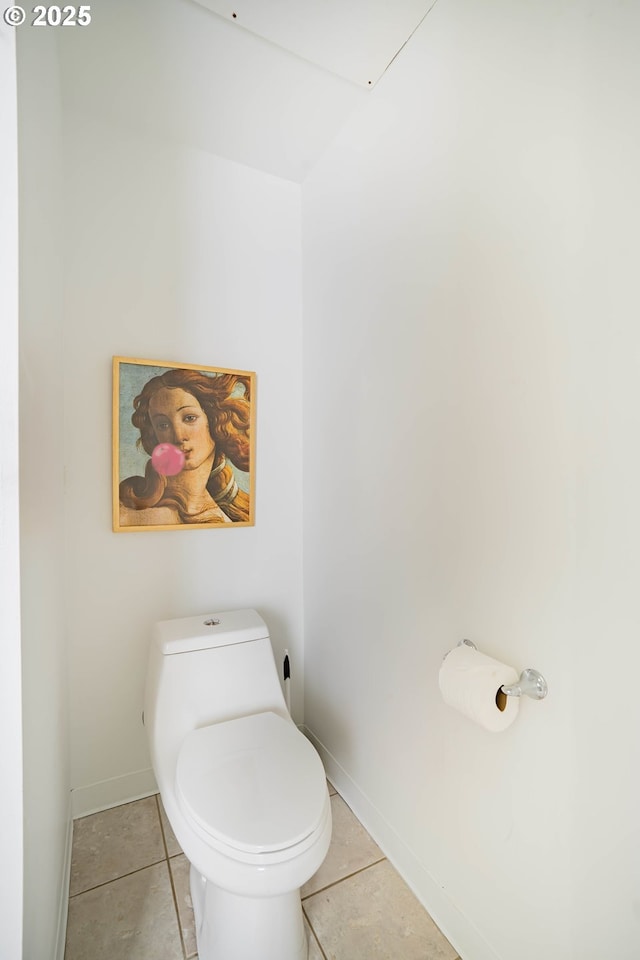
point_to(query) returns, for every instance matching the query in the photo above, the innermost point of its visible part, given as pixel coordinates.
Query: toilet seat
(255, 785)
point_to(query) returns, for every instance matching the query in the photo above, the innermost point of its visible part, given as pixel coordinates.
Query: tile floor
(129, 894)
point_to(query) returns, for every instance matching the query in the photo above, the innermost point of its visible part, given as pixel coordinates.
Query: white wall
(47, 814)
(11, 898)
(171, 254)
(471, 418)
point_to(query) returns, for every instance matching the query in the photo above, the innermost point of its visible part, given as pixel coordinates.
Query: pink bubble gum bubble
(167, 459)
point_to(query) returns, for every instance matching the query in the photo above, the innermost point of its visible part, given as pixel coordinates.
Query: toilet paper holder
(531, 683)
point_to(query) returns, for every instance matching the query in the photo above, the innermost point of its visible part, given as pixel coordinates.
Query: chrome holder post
(531, 684)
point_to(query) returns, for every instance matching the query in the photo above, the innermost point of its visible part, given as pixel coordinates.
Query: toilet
(244, 791)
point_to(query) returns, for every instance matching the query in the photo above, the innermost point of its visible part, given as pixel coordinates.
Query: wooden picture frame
(205, 419)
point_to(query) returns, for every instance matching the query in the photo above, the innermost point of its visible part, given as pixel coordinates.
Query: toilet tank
(213, 630)
(204, 670)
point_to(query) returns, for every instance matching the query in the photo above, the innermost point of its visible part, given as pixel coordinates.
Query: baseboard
(457, 928)
(63, 908)
(111, 793)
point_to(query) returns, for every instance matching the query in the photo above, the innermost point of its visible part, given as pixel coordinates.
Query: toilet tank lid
(209, 630)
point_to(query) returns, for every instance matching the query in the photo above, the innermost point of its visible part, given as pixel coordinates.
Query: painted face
(178, 418)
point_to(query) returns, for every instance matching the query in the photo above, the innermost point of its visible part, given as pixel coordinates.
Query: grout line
(171, 881)
(121, 876)
(164, 839)
(347, 876)
(314, 934)
(175, 904)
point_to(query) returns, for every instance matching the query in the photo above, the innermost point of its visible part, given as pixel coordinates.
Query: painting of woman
(204, 413)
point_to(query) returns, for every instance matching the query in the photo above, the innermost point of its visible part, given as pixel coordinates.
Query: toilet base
(231, 927)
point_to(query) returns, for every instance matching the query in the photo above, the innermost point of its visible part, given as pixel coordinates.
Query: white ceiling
(177, 70)
(355, 39)
(173, 69)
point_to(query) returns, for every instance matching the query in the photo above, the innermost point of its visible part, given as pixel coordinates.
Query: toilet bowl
(244, 791)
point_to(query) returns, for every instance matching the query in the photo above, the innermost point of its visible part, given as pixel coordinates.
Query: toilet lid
(255, 783)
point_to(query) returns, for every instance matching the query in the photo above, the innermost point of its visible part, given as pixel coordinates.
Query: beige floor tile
(351, 849)
(133, 918)
(374, 916)
(115, 842)
(180, 872)
(173, 847)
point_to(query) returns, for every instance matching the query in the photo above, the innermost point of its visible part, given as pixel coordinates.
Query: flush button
(211, 622)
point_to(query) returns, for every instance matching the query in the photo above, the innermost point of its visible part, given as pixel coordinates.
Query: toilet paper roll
(470, 682)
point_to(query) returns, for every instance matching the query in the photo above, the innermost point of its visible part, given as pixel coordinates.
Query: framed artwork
(183, 446)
